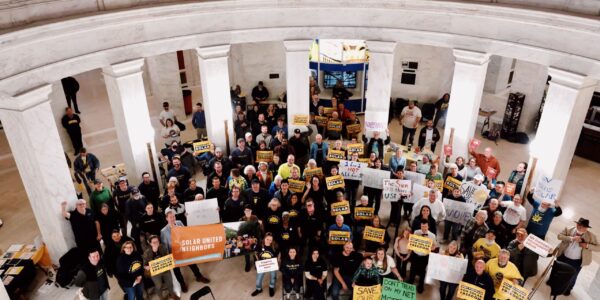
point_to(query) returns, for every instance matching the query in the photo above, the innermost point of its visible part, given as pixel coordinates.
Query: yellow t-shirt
(489, 251)
(497, 273)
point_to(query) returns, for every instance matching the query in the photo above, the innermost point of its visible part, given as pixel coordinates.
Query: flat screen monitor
(330, 78)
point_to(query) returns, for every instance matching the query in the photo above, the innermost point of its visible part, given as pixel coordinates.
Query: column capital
(297, 45)
(213, 51)
(125, 68)
(381, 47)
(570, 79)
(470, 57)
(26, 100)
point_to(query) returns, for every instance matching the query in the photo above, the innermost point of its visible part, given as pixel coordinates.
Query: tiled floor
(228, 279)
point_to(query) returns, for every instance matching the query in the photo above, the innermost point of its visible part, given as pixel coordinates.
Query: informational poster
(240, 238)
(397, 290)
(335, 155)
(538, 245)
(452, 183)
(414, 177)
(161, 264)
(351, 170)
(446, 268)
(374, 178)
(340, 208)
(201, 147)
(509, 290)
(419, 192)
(309, 173)
(334, 125)
(467, 291)
(321, 121)
(296, 186)
(376, 120)
(510, 188)
(202, 212)
(458, 212)
(353, 128)
(476, 194)
(300, 120)
(474, 144)
(366, 292)
(356, 148)
(266, 265)
(374, 234)
(337, 237)
(334, 182)
(547, 189)
(393, 189)
(364, 213)
(197, 244)
(448, 150)
(419, 243)
(264, 156)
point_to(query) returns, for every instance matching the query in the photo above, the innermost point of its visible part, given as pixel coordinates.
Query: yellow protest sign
(321, 121)
(467, 291)
(334, 125)
(452, 183)
(366, 292)
(337, 237)
(511, 291)
(363, 160)
(335, 155)
(300, 120)
(309, 173)
(201, 147)
(296, 186)
(439, 184)
(328, 111)
(419, 244)
(334, 182)
(161, 264)
(364, 213)
(264, 156)
(353, 128)
(374, 234)
(356, 148)
(340, 208)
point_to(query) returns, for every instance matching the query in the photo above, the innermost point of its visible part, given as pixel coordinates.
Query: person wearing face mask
(486, 248)
(541, 216)
(477, 276)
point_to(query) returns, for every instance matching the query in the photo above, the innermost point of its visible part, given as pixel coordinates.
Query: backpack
(70, 263)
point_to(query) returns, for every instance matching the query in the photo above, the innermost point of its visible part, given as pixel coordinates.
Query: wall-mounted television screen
(330, 78)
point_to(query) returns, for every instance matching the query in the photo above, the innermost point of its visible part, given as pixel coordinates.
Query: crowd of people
(302, 228)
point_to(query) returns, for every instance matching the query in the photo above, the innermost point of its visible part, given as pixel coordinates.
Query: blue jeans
(260, 276)
(135, 292)
(336, 286)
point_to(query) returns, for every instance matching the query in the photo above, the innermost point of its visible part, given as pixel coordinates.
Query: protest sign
(334, 182)
(201, 147)
(340, 208)
(446, 268)
(356, 148)
(321, 121)
(511, 291)
(328, 111)
(335, 155)
(537, 245)
(300, 120)
(376, 120)
(415, 177)
(202, 212)
(419, 192)
(374, 234)
(419, 243)
(337, 237)
(510, 188)
(334, 125)
(161, 264)
(364, 213)
(264, 156)
(366, 292)
(474, 144)
(309, 173)
(351, 169)
(439, 184)
(353, 128)
(197, 244)
(296, 186)
(467, 291)
(547, 189)
(491, 173)
(448, 150)
(452, 183)
(374, 177)
(240, 238)
(476, 194)
(266, 265)
(397, 290)
(393, 189)
(458, 212)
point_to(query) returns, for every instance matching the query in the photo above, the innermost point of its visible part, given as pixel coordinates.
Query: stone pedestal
(297, 79)
(465, 97)
(214, 76)
(35, 144)
(380, 73)
(125, 87)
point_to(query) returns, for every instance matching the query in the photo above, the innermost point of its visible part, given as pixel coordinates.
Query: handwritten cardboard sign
(374, 177)
(537, 245)
(393, 189)
(398, 290)
(446, 268)
(376, 120)
(415, 177)
(547, 189)
(419, 192)
(476, 194)
(366, 292)
(458, 212)
(352, 169)
(202, 212)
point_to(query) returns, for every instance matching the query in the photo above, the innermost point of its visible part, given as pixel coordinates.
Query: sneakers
(256, 292)
(202, 279)
(287, 296)
(271, 291)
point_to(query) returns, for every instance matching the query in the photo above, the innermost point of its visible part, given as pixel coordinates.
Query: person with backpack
(92, 278)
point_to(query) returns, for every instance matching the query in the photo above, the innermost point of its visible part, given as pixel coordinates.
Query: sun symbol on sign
(536, 218)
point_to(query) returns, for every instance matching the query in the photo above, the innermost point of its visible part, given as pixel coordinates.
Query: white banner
(393, 189)
(474, 194)
(446, 268)
(415, 177)
(352, 169)
(419, 192)
(267, 265)
(202, 212)
(458, 212)
(537, 245)
(376, 120)
(374, 178)
(547, 189)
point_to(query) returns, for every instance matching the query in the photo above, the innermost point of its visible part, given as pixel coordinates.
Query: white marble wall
(165, 84)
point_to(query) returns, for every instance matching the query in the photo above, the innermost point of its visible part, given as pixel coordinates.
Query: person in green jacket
(99, 196)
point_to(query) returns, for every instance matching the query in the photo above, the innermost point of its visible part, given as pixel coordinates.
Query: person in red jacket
(486, 160)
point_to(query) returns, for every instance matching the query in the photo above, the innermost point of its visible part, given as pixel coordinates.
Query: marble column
(214, 78)
(297, 79)
(36, 147)
(567, 102)
(127, 97)
(165, 83)
(465, 97)
(380, 73)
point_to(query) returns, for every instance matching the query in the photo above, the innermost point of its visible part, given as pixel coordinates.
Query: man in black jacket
(149, 189)
(92, 278)
(71, 87)
(299, 141)
(85, 166)
(429, 136)
(441, 108)
(376, 143)
(71, 122)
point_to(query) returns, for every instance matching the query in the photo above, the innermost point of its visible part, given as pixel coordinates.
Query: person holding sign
(375, 193)
(366, 275)
(371, 246)
(518, 176)
(525, 259)
(333, 131)
(478, 277)
(375, 143)
(344, 265)
(397, 160)
(501, 268)
(447, 289)
(485, 160)
(266, 250)
(164, 279)
(385, 265)
(301, 145)
(339, 226)
(541, 216)
(421, 258)
(129, 271)
(452, 180)
(486, 248)
(318, 150)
